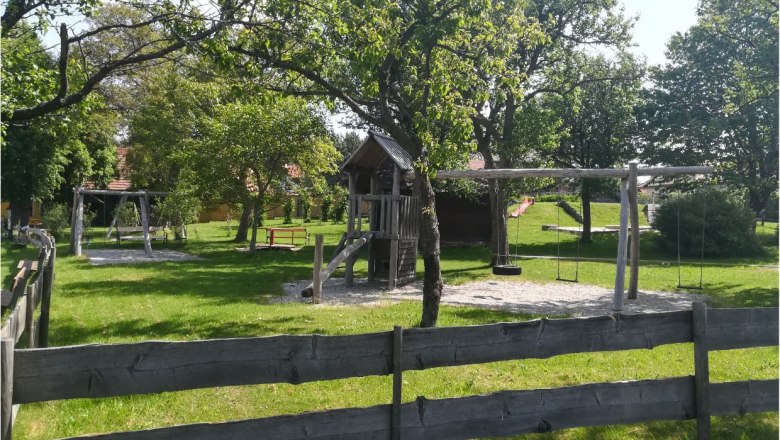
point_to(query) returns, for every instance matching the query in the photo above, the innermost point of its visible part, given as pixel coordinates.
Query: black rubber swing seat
(507, 269)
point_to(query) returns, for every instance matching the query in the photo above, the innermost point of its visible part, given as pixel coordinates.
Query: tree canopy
(716, 100)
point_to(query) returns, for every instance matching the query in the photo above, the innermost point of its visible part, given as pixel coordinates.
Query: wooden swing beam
(77, 218)
(629, 210)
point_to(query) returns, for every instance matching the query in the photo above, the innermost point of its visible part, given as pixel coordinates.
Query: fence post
(702, 370)
(398, 333)
(317, 276)
(29, 321)
(48, 283)
(6, 387)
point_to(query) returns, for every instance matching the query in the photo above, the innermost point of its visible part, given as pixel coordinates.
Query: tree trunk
(243, 224)
(429, 246)
(586, 220)
(258, 209)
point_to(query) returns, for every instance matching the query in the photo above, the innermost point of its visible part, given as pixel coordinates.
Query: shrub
(305, 199)
(179, 208)
(327, 201)
(56, 218)
(340, 202)
(728, 225)
(88, 217)
(556, 197)
(288, 210)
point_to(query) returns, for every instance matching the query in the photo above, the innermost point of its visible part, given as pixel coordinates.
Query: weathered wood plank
(540, 339)
(112, 370)
(701, 364)
(48, 286)
(398, 343)
(13, 327)
(6, 387)
(742, 328)
(633, 205)
(110, 192)
(148, 367)
(500, 414)
(570, 172)
(317, 275)
(745, 397)
(29, 265)
(620, 272)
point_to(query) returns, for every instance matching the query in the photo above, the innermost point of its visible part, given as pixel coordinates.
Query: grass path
(226, 295)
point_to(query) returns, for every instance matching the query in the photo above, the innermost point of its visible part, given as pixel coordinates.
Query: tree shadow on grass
(741, 296)
(485, 316)
(66, 331)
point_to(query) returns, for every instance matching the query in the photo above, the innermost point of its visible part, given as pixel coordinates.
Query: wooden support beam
(620, 272)
(376, 208)
(702, 371)
(111, 192)
(392, 276)
(116, 212)
(317, 275)
(145, 224)
(77, 228)
(72, 237)
(349, 280)
(633, 204)
(570, 172)
(48, 285)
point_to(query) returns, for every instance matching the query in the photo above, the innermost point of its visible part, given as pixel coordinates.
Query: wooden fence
(89, 371)
(22, 300)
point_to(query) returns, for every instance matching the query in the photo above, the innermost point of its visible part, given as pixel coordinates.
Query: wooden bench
(153, 230)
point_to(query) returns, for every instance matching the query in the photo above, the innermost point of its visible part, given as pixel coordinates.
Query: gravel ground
(522, 296)
(101, 257)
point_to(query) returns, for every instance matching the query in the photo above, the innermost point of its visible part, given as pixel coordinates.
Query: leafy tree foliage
(600, 121)
(45, 159)
(250, 144)
(80, 68)
(717, 100)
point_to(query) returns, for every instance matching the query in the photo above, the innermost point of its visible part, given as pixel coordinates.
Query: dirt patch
(513, 296)
(101, 257)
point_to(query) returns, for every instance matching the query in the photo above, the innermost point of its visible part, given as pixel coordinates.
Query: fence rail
(23, 300)
(149, 367)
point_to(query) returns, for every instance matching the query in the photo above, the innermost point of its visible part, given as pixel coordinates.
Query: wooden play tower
(382, 215)
(382, 208)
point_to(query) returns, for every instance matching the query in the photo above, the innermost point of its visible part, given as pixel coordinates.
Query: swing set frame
(628, 206)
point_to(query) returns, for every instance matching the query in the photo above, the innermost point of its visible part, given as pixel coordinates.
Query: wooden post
(72, 237)
(48, 283)
(28, 321)
(633, 204)
(6, 387)
(349, 280)
(145, 223)
(398, 332)
(620, 272)
(392, 277)
(113, 220)
(78, 225)
(373, 226)
(702, 370)
(317, 275)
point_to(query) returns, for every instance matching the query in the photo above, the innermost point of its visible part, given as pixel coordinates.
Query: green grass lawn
(227, 295)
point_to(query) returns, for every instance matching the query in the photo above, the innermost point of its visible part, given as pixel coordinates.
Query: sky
(658, 20)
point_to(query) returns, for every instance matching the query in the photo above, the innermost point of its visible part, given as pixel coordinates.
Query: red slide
(523, 207)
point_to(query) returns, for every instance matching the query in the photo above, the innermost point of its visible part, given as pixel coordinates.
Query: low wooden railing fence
(32, 287)
(89, 371)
